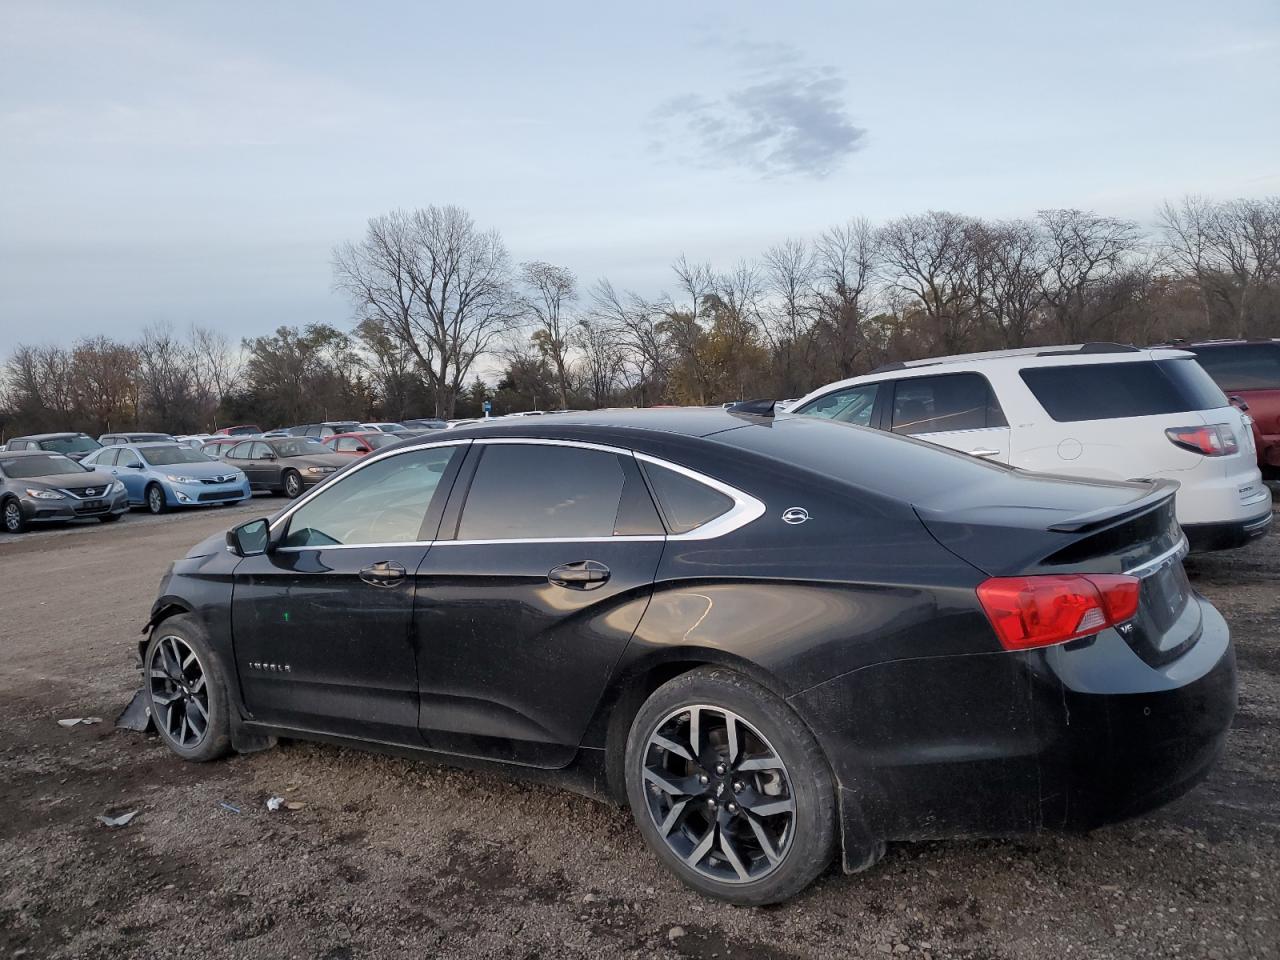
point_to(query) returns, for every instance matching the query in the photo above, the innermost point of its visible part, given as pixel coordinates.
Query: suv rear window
(1110, 391)
(1243, 366)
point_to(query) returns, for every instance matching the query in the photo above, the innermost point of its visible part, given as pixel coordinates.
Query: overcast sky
(198, 161)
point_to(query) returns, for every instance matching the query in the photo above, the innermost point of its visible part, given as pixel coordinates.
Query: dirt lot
(392, 858)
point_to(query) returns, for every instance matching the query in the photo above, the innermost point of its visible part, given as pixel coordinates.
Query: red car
(1248, 371)
(218, 445)
(243, 430)
(359, 444)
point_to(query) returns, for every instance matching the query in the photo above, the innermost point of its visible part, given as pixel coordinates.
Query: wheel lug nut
(737, 786)
(733, 807)
(720, 769)
(704, 779)
(711, 802)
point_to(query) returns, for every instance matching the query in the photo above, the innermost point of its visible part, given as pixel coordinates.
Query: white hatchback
(1091, 410)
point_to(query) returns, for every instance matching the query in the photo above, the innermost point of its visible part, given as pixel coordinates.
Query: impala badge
(795, 515)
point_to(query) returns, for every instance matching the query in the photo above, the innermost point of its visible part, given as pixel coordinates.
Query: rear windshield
(70, 445)
(18, 468)
(162, 456)
(1109, 391)
(1245, 366)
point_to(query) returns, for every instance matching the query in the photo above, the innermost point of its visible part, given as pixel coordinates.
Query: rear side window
(1110, 391)
(850, 405)
(530, 491)
(686, 503)
(953, 401)
(1245, 366)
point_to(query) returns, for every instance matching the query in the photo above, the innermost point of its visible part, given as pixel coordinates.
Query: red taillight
(1040, 611)
(1218, 440)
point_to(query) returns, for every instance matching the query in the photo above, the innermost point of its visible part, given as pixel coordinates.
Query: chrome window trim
(1180, 549)
(745, 509)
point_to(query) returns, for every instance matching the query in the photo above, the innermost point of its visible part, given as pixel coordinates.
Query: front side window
(531, 491)
(105, 457)
(347, 445)
(850, 405)
(953, 401)
(1110, 391)
(127, 458)
(384, 502)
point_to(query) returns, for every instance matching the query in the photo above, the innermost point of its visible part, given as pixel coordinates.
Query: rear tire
(154, 499)
(292, 484)
(748, 816)
(185, 692)
(11, 517)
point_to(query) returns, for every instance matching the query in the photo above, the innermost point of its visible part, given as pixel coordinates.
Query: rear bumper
(1005, 743)
(1224, 536)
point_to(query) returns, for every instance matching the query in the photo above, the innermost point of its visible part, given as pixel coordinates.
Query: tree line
(435, 299)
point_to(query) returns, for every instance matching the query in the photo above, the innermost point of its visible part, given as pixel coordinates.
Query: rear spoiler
(1161, 490)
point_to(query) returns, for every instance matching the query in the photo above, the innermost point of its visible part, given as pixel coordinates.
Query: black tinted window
(686, 503)
(385, 502)
(850, 405)
(954, 401)
(1108, 391)
(528, 491)
(1244, 366)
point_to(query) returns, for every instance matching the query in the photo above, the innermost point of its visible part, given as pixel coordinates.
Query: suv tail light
(1215, 441)
(1040, 611)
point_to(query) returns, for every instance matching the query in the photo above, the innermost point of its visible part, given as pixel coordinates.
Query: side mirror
(1239, 404)
(268, 456)
(134, 466)
(250, 539)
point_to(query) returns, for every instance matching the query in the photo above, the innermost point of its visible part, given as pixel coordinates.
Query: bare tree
(438, 284)
(646, 354)
(928, 257)
(1083, 251)
(845, 265)
(602, 358)
(166, 387)
(1013, 254)
(1244, 236)
(789, 273)
(106, 380)
(216, 368)
(551, 290)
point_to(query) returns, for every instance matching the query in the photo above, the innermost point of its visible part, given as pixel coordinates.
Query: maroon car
(1248, 371)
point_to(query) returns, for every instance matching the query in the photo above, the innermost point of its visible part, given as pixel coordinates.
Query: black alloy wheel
(719, 794)
(179, 692)
(730, 789)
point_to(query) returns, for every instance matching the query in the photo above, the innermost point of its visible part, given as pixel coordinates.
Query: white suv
(1092, 410)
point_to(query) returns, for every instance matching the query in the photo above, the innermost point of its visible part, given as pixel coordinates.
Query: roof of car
(50, 436)
(30, 453)
(1199, 344)
(686, 421)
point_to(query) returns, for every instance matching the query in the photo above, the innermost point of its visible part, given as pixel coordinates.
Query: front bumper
(1070, 737)
(69, 508)
(1224, 536)
(206, 494)
(311, 479)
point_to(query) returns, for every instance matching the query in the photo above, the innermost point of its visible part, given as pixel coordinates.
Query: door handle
(983, 452)
(384, 573)
(580, 575)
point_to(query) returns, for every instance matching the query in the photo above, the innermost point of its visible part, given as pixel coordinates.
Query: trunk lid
(1054, 525)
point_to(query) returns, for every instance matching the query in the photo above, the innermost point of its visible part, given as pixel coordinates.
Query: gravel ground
(392, 858)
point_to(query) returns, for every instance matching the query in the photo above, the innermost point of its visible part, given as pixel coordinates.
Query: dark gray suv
(73, 445)
(40, 487)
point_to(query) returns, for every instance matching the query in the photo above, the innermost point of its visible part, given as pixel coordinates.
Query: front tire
(185, 692)
(12, 518)
(292, 484)
(155, 500)
(729, 788)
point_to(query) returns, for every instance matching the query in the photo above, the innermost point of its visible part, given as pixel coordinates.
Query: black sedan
(779, 641)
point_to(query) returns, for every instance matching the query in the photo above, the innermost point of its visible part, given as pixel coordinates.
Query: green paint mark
(286, 616)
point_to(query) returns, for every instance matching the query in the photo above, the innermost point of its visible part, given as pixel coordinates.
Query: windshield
(40, 465)
(162, 456)
(70, 445)
(298, 447)
(1247, 366)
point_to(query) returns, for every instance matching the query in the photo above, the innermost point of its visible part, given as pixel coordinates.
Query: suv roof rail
(1093, 347)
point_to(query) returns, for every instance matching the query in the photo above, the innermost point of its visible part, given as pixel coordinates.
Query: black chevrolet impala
(778, 640)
